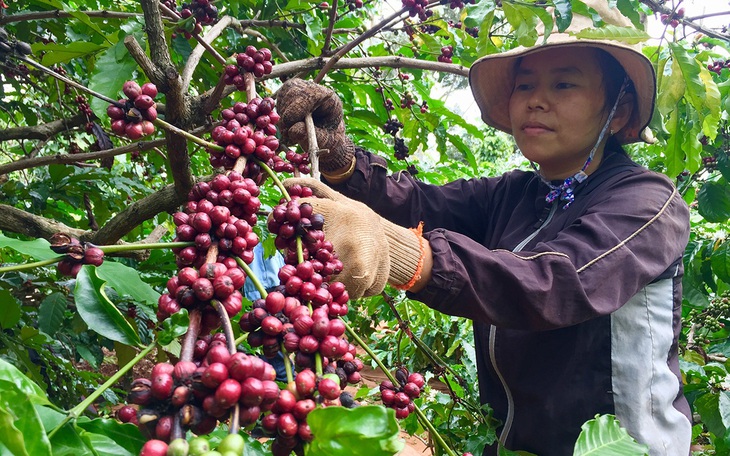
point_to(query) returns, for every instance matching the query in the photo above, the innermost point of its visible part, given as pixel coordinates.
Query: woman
(571, 273)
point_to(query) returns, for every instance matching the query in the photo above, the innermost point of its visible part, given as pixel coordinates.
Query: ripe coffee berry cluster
(201, 394)
(256, 61)
(473, 31)
(392, 126)
(247, 129)
(400, 398)
(77, 254)
(84, 106)
(354, 4)
(446, 53)
(672, 20)
(132, 117)
(457, 4)
(221, 211)
(418, 8)
(401, 149)
(717, 66)
(195, 288)
(294, 161)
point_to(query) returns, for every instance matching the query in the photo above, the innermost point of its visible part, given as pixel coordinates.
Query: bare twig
(658, 7)
(58, 14)
(330, 28)
(195, 56)
(43, 131)
(349, 46)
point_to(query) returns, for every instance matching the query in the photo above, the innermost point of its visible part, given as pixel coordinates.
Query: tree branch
(349, 46)
(197, 53)
(58, 14)
(165, 200)
(42, 131)
(659, 8)
(330, 28)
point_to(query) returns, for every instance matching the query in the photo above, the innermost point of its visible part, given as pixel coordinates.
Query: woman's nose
(537, 100)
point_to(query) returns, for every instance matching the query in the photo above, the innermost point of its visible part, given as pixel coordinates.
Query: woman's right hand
(294, 101)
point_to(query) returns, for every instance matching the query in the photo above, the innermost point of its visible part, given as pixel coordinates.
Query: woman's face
(557, 109)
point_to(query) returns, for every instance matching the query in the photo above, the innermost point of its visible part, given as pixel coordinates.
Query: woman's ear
(624, 110)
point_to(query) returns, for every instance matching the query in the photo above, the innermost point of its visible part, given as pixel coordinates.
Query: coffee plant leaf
(368, 431)
(604, 436)
(11, 374)
(714, 408)
(628, 35)
(126, 281)
(113, 67)
(563, 14)
(67, 442)
(39, 249)
(11, 311)
(21, 426)
(51, 312)
(126, 435)
(103, 445)
(720, 261)
(173, 327)
(523, 20)
(713, 201)
(58, 53)
(98, 312)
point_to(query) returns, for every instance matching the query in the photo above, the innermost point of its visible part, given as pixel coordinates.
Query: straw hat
(492, 77)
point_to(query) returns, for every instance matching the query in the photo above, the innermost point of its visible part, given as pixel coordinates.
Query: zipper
(493, 336)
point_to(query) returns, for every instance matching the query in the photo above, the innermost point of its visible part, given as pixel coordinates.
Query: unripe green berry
(178, 447)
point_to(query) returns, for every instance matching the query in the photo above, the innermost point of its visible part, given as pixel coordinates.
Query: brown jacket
(576, 311)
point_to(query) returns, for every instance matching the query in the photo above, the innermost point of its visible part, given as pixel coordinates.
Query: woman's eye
(564, 85)
(522, 87)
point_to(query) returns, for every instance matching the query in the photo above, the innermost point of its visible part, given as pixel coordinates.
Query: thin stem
(170, 127)
(300, 252)
(76, 411)
(150, 246)
(276, 179)
(66, 80)
(287, 365)
(252, 276)
(318, 364)
(35, 264)
(191, 336)
(421, 417)
(231, 343)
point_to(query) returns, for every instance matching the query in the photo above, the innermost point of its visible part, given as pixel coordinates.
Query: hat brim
(491, 79)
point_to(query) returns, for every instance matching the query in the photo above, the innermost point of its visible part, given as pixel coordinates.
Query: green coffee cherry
(198, 446)
(178, 447)
(232, 443)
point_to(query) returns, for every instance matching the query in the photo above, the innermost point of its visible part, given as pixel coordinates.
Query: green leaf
(713, 201)
(713, 103)
(524, 22)
(51, 312)
(11, 310)
(99, 313)
(40, 249)
(673, 151)
(125, 435)
(58, 53)
(173, 327)
(714, 408)
(690, 70)
(22, 428)
(671, 90)
(109, 75)
(628, 35)
(563, 14)
(67, 442)
(126, 281)
(368, 431)
(11, 374)
(604, 436)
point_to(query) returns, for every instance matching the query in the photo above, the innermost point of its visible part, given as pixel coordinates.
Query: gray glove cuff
(338, 157)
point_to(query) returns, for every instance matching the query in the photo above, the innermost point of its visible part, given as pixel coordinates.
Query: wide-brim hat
(492, 77)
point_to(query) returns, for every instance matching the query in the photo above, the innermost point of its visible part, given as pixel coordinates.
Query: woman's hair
(613, 77)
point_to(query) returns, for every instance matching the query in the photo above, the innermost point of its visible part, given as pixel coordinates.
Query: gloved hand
(373, 250)
(294, 101)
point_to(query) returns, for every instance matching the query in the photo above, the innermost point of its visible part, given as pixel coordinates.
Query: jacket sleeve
(629, 235)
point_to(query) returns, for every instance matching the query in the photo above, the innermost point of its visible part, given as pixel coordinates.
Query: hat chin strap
(566, 191)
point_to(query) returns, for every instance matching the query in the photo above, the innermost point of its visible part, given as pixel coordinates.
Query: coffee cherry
(154, 448)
